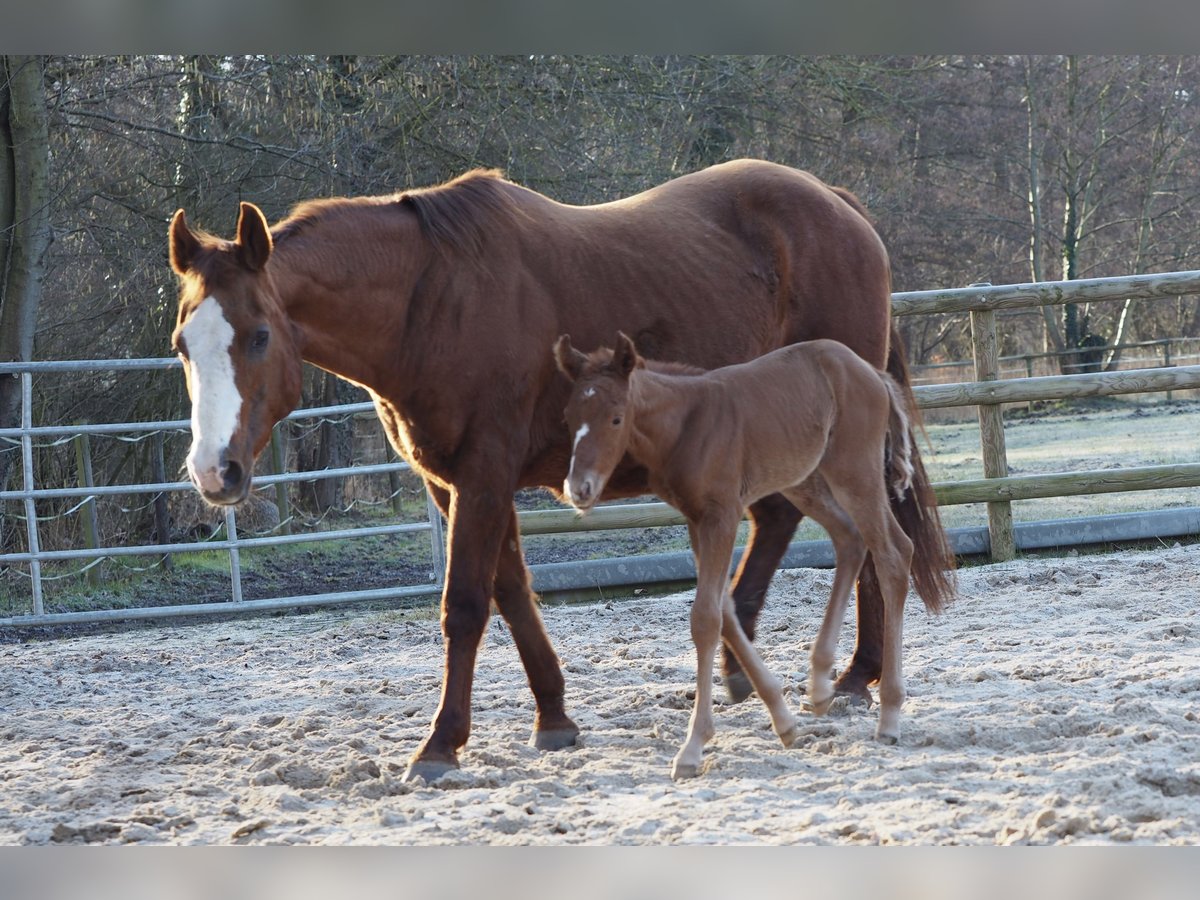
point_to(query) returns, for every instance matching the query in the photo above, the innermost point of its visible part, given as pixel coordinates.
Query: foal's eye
(259, 341)
(616, 420)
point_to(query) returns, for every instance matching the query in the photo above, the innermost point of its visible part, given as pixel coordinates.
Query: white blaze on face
(579, 436)
(216, 402)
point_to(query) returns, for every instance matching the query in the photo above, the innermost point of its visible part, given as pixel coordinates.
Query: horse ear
(183, 243)
(570, 361)
(625, 356)
(253, 237)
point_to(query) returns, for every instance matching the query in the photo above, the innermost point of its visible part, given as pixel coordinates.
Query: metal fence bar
(31, 520)
(312, 412)
(301, 601)
(235, 557)
(205, 546)
(155, 487)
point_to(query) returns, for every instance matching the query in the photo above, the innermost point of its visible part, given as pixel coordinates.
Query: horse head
(597, 414)
(240, 352)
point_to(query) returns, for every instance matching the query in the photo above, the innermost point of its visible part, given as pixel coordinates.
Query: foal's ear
(182, 242)
(625, 355)
(253, 237)
(570, 361)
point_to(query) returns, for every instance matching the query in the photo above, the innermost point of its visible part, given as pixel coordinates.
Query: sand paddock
(1056, 702)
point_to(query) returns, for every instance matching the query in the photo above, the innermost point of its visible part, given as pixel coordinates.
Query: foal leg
(517, 603)
(712, 544)
(814, 497)
(894, 555)
(765, 684)
(865, 501)
(773, 521)
(867, 660)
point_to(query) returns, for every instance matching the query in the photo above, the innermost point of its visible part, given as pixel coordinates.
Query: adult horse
(443, 303)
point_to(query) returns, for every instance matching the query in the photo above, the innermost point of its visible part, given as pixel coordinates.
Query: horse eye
(260, 339)
(617, 420)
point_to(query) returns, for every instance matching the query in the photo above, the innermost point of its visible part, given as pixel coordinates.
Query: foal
(812, 421)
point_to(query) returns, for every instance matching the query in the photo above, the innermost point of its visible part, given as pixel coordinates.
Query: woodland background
(989, 168)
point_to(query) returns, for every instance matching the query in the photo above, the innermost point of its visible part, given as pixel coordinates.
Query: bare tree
(24, 225)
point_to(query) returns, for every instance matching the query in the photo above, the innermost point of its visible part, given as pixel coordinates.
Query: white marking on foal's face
(216, 402)
(579, 436)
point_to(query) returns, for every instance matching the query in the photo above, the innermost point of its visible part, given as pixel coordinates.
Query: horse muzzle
(222, 482)
(583, 491)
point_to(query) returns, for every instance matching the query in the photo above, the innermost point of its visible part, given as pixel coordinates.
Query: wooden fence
(988, 393)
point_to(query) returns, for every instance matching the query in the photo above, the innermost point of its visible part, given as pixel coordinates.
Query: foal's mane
(455, 215)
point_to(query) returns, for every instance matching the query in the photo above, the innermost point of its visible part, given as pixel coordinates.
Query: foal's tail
(898, 456)
(917, 511)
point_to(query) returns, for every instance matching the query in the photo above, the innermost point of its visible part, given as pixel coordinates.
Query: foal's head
(239, 351)
(598, 414)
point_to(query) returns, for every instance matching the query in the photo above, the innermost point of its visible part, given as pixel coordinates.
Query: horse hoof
(820, 707)
(555, 738)
(856, 694)
(854, 686)
(429, 769)
(738, 687)
(681, 771)
(890, 739)
(790, 736)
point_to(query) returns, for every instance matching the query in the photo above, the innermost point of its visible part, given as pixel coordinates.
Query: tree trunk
(1053, 334)
(24, 227)
(335, 446)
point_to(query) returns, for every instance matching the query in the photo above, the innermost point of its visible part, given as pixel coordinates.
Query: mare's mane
(602, 359)
(455, 215)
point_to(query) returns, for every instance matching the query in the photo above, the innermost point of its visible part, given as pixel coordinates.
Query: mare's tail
(917, 511)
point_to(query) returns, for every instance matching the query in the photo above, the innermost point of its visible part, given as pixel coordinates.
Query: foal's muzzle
(583, 492)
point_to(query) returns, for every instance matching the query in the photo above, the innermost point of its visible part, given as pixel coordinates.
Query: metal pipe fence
(34, 556)
(997, 488)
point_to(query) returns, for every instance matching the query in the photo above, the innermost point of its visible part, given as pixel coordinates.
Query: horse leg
(773, 521)
(766, 685)
(476, 524)
(894, 555)
(865, 664)
(814, 498)
(712, 544)
(864, 497)
(517, 603)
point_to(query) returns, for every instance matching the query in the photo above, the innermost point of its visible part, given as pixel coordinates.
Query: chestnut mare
(812, 421)
(441, 302)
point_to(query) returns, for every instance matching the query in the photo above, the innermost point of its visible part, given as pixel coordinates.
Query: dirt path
(1057, 701)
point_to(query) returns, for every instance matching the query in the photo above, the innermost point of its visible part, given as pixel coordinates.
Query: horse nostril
(232, 475)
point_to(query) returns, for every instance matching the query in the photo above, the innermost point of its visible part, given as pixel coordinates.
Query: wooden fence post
(984, 348)
(87, 510)
(1167, 363)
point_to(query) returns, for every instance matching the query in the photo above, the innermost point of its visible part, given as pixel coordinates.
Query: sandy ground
(1055, 702)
